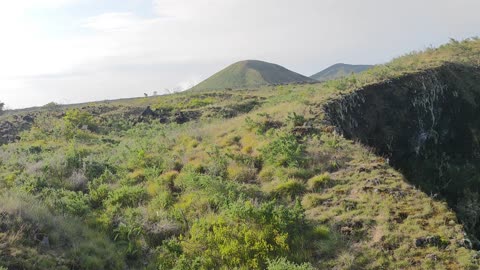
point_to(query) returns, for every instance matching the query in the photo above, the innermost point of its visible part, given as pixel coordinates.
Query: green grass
(338, 71)
(250, 74)
(221, 191)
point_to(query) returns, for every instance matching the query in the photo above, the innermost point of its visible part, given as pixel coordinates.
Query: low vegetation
(258, 180)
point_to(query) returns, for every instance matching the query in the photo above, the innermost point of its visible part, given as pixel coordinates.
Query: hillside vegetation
(248, 179)
(338, 71)
(251, 74)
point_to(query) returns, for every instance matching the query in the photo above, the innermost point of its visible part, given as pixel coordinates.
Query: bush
(98, 194)
(284, 150)
(218, 163)
(76, 118)
(284, 264)
(77, 181)
(262, 125)
(127, 196)
(162, 200)
(67, 202)
(267, 174)
(295, 120)
(231, 244)
(241, 173)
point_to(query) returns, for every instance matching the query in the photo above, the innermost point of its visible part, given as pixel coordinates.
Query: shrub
(98, 194)
(295, 120)
(262, 125)
(128, 196)
(129, 232)
(229, 244)
(242, 174)
(76, 118)
(137, 176)
(162, 200)
(77, 181)
(267, 174)
(218, 163)
(67, 202)
(284, 150)
(284, 264)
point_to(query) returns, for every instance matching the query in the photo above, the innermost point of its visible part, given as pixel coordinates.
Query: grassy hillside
(251, 74)
(248, 179)
(338, 71)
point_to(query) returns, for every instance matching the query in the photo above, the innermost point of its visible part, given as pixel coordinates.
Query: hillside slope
(254, 179)
(338, 71)
(251, 74)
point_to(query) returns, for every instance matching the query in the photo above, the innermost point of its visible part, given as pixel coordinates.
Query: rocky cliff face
(428, 125)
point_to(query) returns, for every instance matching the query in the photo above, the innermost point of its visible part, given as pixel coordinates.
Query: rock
(148, 112)
(28, 119)
(466, 243)
(435, 241)
(45, 243)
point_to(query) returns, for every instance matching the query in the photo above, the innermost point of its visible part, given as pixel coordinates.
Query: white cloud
(121, 54)
(112, 21)
(189, 9)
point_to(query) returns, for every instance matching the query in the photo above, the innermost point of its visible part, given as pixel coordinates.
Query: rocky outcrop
(10, 129)
(427, 124)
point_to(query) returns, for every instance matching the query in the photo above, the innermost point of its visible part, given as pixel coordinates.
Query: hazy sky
(81, 50)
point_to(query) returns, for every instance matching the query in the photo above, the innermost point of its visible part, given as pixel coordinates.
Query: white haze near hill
(70, 51)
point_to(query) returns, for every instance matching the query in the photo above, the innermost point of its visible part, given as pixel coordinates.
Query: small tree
(2, 106)
(76, 118)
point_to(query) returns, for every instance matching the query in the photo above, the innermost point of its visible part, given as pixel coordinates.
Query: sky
(70, 51)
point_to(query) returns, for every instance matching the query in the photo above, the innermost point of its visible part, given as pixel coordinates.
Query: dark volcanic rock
(168, 116)
(432, 241)
(428, 126)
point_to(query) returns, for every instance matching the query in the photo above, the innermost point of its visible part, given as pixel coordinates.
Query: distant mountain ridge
(251, 73)
(339, 70)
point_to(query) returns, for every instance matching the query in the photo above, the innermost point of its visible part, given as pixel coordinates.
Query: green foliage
(26, 220)
(231, 245)
(262, 124)
(200, 102)
(67, 202)
(222, 193)
(127, 196)
(128, 233)
(76, 118)
(246, 236)
(296, 120)
(290, 189)
(317, 183)
(284, 264)
(250, 74)
(284, 150)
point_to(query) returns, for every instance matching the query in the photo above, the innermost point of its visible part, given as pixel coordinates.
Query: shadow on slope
(427, 124)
